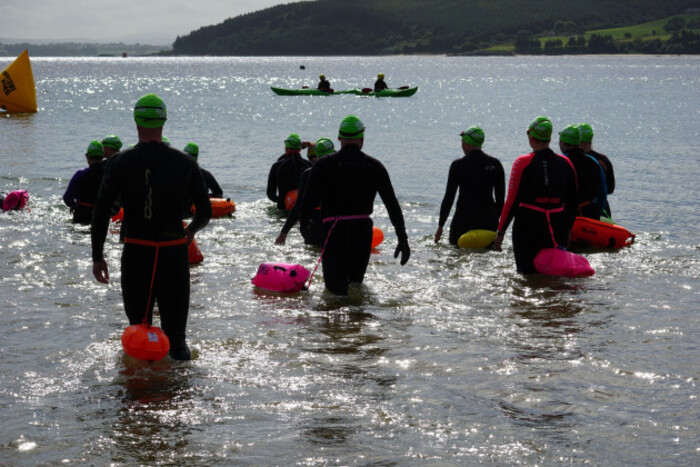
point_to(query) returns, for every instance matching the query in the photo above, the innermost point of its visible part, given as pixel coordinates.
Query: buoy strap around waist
(547, 212)
(540, 209)
(138, 241)
(346, 218)
(83, 203)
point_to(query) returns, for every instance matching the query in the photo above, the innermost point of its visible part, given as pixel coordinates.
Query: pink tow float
(281, 277)
(559, 262)
(14, 201)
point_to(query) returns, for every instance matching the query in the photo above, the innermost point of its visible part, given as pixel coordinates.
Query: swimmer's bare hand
(497, 242)
(281, 238)
(438, 234)
(100, 271)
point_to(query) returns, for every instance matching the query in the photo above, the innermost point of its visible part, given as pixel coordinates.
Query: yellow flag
(17, 90)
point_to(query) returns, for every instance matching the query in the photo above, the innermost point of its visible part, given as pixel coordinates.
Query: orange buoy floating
(220, 207)
(377, 236)
(145, 342)
(194, 253)
(291, 199)
(590, 232)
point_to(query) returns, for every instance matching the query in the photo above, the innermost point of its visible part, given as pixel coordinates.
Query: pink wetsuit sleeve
(513, 186)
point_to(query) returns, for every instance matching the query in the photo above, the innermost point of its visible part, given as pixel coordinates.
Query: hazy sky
(144, 21)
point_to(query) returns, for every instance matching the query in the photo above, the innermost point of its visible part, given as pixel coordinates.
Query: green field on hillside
(645, 31)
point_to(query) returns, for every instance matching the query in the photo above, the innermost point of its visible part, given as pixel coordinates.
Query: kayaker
(592, 192)
(154, 181)
(380, 85)
(481, 182)
(323, 84)
(311, 228)
(210, 182)
(587, 146)
(541, 196)
(81, 193)
(345, 185)
(111, 145)
(290, 169)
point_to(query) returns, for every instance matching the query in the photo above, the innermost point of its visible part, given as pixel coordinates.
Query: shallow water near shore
(453, 359)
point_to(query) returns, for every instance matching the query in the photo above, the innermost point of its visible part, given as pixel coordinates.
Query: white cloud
(105, 20)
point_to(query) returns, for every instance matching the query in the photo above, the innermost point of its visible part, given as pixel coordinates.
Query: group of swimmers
(547, 191)
(325, 85)
(335, 189)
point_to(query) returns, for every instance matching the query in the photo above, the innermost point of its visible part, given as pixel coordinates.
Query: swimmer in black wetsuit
(290, 169)
(210, 182)
(273, 191)
(278, 186)
(83, 187)
(154, 181)
(480, 179)
(345, 184)
(380, 85)
(541, 183)
(592, 192)
(312, 227)
(603, 160)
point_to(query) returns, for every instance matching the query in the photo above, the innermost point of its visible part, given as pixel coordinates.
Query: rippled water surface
(451, 359)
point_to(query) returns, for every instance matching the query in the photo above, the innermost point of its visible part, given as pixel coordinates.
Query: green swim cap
(586, 132)
(351, 128)
(473, 135)
(192, 149)
(293, 141)
(112, 141)
(570, 135)
(94, 150)
(324, 146)
(540, 129)
(150, 111)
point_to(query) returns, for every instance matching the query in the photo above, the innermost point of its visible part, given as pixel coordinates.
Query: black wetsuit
(289, 175)
(539, 180)
(324, 85)
(481, 182)
(380, 85)
(155, 182)
(212, 185)
(272, 183)
(345, 184)
(82, 192)
(311, 228)
(607, 167)
(592, 192)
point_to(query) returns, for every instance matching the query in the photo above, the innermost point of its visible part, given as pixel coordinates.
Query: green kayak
(358, 92)
(306, 92)
(386, 92)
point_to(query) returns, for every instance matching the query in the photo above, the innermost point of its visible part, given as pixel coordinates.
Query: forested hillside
(369, 27)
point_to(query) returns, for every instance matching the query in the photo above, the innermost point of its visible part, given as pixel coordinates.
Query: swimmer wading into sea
(155, 182)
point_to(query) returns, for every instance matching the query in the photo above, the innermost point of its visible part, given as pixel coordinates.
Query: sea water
(452, 359)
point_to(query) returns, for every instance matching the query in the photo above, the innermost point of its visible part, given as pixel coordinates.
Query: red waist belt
(138, 241)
